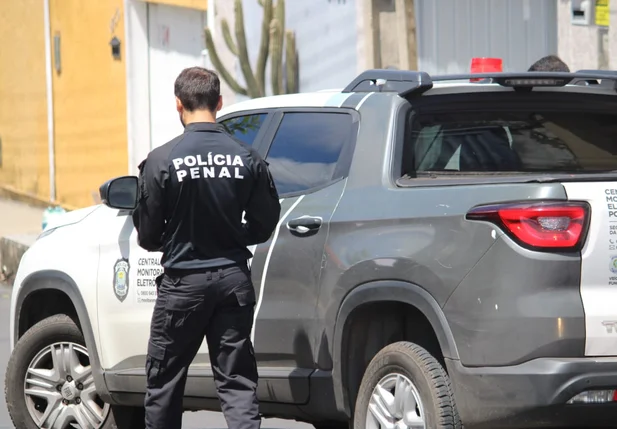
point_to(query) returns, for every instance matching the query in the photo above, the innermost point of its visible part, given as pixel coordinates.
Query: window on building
(306, 149)
(245, 128)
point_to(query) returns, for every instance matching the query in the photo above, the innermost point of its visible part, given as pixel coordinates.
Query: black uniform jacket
(193, 192)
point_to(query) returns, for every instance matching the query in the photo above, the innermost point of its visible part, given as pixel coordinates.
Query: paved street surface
(191, 420)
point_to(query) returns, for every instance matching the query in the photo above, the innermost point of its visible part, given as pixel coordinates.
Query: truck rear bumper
(534, 394)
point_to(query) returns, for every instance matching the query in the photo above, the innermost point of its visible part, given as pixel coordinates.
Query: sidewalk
(20, 224)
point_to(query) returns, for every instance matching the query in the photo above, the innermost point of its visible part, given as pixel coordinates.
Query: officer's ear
(179, 106)
(219, 106)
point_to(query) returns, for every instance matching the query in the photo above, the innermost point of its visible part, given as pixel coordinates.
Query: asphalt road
(192, 420)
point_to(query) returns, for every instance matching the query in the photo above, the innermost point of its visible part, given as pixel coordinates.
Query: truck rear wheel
(49, 382)
(404, 386)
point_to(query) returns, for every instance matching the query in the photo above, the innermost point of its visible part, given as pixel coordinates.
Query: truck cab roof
(410, 84)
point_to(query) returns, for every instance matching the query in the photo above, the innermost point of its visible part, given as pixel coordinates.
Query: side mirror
(120, 193)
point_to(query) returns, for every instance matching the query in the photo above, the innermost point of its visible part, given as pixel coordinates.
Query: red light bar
(486, 65)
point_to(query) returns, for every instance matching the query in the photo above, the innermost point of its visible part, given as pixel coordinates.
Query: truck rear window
(532, 139)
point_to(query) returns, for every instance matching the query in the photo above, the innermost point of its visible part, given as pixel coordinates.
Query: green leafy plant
(275, 41)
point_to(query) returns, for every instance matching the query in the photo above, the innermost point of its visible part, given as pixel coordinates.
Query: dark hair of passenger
(198, 89)
(549, 63)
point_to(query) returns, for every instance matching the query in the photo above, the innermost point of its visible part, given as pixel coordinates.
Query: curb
(10, 193)
(12, 248)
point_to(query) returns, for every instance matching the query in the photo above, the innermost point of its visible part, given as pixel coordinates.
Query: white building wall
(175, 42)
(138, 90)
(161, 40)
(224, 9)
(327, 38)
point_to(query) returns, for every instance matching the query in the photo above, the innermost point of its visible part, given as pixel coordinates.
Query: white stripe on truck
(599, 266)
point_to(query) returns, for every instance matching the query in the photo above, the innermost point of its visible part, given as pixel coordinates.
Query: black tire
(54, 329)
(424, 371)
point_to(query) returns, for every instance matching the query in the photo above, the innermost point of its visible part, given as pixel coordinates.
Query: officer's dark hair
(549, 63)
(198, 89)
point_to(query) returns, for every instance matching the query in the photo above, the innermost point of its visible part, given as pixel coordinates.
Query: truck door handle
(305, 224)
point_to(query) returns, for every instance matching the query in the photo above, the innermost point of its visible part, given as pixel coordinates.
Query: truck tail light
(594, 397)
(539, 225)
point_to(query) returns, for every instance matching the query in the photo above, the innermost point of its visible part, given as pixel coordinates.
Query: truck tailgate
(599, 266)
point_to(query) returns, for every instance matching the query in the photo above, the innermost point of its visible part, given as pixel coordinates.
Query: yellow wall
(193, 4)
(23, 103)
(89, 98)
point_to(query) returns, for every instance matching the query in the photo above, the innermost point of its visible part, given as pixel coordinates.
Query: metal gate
(451, 32)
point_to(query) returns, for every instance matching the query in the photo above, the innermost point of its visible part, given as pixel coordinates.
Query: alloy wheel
(59, 389)
(395, 404)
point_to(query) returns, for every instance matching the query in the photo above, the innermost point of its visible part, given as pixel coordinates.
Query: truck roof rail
(609, 78)
(403, 82)
(531, 79)
(608, 73)
(407, 83)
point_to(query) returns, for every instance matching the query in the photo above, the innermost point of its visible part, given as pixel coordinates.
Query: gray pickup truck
(446, 255)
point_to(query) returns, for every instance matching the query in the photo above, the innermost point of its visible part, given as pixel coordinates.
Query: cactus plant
(276, 43)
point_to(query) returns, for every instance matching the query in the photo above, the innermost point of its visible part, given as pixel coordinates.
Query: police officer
(193, 193)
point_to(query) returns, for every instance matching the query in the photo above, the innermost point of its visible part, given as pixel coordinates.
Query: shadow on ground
(191, 420)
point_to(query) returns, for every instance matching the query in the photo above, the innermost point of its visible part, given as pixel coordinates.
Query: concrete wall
(584, 46)
(388, 33)
(23, 107)
(87, 94)
(578, 44)
(89, 98)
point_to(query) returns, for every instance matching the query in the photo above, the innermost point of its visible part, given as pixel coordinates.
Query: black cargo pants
(218, 304)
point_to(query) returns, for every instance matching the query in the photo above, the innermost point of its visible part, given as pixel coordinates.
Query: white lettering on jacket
(214, 166)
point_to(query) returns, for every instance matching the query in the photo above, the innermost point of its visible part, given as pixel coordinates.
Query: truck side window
(245, 128)
(306, 149)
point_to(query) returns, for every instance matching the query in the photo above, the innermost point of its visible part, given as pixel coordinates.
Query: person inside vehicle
(549, 63)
